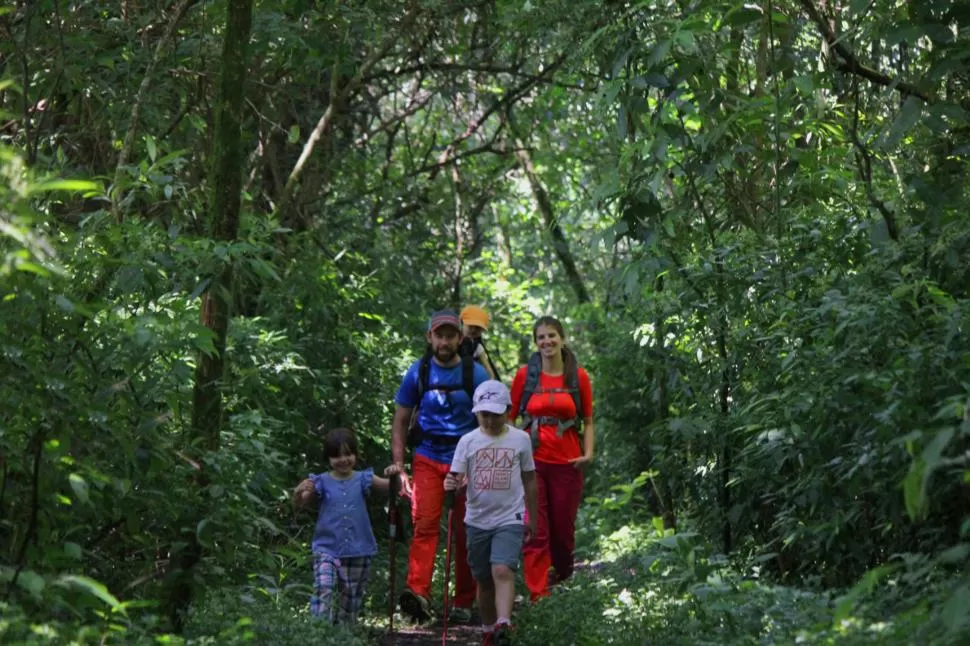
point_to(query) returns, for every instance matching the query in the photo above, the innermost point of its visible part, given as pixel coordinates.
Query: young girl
(343, 541)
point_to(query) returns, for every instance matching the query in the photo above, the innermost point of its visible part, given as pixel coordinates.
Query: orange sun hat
(474, 315)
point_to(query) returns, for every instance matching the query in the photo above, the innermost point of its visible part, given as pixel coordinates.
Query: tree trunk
(225, 201)
(660, 484)
(544, 205)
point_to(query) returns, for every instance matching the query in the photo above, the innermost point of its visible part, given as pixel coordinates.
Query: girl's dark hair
(338, 442)
(569, 361)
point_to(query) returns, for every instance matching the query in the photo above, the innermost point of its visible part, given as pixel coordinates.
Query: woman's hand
(582, 461)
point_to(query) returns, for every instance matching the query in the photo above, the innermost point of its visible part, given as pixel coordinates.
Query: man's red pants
(427, 500)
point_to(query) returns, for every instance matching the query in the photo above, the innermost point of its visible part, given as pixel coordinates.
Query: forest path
(430, 635)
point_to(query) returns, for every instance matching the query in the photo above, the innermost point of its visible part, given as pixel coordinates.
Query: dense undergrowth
(644, 585)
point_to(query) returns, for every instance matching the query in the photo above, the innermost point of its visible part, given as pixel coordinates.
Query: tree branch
(337, 95)
(864, 163)
(847, 62)
(479, 68)
(544, 204)
(146, 82)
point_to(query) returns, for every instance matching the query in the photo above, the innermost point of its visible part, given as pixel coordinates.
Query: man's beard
(444, 355)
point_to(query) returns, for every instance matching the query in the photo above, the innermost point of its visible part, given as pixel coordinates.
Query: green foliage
(649, 589)
(774, 251)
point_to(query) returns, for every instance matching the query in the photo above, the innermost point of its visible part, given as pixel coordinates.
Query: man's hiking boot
(502, 635)
(415, 606)
(459, 615)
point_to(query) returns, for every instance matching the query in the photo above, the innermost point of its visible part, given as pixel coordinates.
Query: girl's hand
(392, 470)
(582, 461)
(304, 493)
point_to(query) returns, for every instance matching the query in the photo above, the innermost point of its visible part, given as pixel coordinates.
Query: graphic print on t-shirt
(493, 469)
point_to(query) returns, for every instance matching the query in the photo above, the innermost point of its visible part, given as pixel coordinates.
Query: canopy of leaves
(750, 217)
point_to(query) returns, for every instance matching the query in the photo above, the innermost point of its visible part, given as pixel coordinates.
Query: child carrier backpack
(415, 433)
(571, 385)
(469, 346)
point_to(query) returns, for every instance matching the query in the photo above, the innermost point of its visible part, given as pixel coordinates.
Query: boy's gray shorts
(488, 547)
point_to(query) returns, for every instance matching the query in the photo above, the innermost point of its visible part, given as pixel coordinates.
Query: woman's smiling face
(548, 340)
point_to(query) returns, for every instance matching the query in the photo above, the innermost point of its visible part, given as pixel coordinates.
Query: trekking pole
(450, 506)
(392, 535)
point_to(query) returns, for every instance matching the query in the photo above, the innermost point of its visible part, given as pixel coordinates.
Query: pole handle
(450, 495)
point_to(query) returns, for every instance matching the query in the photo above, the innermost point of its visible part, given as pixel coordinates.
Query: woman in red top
(560, 456)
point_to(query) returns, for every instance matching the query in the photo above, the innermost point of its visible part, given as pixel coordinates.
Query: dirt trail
(430, 635)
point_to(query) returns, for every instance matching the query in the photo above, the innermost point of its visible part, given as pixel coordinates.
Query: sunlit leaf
(80, 487)
(74, 185)
(92, 587)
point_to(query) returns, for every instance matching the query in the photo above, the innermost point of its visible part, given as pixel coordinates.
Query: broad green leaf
(955, 554)
(75, 185)
(200, 530)
(31, 582)
(294, 135)
(80, 487)
(908, 117)
(73, 550)
(955, 609)
(92, 587)
(32, 268)
(865, 585)
(913, 493)
(152, 149)
(64, 303)
(659, 53)
(741, 15)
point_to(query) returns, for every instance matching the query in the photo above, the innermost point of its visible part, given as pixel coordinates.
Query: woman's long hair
(569, 361)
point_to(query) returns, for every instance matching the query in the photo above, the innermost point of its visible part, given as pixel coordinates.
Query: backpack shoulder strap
(491, 362)
(532, 371)
(468, 375)
(572, 385)
(424, 375)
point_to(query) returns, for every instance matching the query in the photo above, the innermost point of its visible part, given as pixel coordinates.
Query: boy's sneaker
(415, 606)
(502, 635)
(459, 615)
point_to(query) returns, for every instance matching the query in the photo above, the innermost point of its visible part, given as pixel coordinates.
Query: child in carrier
(474, 322)
(496, 461)
(343, 541)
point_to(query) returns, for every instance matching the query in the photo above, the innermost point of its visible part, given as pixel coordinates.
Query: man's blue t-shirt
(343, 527)
(444, 415)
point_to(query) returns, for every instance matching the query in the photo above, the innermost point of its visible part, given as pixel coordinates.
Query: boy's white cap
(493, 397)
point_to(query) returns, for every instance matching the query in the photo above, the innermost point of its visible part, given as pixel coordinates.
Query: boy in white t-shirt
(496, 461)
